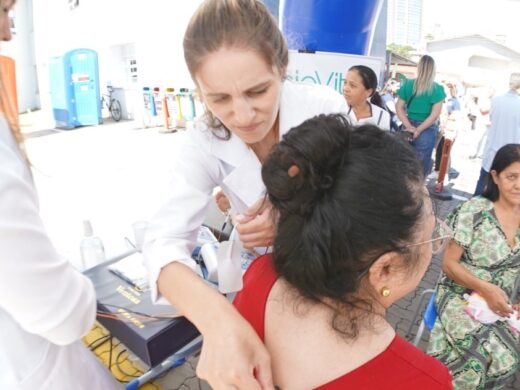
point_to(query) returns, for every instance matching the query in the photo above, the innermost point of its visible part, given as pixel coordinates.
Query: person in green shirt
(419, 106)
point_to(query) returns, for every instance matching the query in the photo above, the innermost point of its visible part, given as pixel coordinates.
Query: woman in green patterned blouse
(484, 257)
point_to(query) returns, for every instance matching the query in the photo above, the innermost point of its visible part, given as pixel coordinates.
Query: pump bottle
(91, 248)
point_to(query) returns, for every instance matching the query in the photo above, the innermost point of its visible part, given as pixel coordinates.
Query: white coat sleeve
(172, 233)
(39, 289)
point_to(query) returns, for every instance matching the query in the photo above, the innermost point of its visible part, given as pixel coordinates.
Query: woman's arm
(401, 114)
(434, 115)
(38, 288)
(495, 297)
(233, 356)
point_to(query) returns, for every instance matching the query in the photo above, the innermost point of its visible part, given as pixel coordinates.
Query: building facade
(404, 25)
(475, 60)
(138, 45)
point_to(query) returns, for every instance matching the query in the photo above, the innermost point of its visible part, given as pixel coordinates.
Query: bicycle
(112, 104)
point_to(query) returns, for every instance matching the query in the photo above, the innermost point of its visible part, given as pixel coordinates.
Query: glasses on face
(442, 234)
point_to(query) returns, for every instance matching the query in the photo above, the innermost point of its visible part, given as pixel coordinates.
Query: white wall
(155, 29)
(456, 60)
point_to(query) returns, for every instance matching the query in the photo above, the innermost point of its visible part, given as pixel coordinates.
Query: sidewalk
(114, 175)
(110, 174)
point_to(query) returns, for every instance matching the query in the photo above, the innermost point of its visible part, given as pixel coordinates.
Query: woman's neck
(301, 338)
(362, 110)
(509, 208)
(508, 216)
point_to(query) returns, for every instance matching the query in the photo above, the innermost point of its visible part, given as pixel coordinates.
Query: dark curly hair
(345, 197)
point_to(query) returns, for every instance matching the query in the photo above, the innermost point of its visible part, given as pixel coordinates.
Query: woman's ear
(383, 275)
(494, 175)
(382, 268)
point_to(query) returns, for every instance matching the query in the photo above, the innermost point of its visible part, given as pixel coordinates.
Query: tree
(402, 50)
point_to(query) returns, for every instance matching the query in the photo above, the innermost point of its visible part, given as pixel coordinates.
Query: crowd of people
(331, 189)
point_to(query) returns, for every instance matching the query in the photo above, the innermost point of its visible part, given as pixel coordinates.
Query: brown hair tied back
(242, 24)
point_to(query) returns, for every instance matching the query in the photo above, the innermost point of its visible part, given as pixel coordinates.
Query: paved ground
(116, 173)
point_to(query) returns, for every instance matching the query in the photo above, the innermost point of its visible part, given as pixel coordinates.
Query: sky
(486, 17)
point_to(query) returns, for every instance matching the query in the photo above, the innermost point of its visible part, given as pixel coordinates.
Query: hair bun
(304, 164)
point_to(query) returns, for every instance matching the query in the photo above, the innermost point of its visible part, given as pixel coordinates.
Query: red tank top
(401, 366)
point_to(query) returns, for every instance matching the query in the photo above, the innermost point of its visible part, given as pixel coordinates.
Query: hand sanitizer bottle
(91, 248)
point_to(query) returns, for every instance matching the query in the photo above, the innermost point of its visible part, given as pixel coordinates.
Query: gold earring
(385, 292)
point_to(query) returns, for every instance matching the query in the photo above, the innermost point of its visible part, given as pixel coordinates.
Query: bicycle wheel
(115, 110)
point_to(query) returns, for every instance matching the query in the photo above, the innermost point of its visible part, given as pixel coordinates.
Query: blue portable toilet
(62, 107)
(75, 92)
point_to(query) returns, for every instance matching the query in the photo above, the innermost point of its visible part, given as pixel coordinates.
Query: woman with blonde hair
(45, 304)
(419, 107)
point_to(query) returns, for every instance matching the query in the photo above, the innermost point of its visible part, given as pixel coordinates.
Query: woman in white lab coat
(45, 304)
(238, 58)
(365, 105)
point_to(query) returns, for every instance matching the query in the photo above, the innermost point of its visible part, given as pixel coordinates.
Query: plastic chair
(428, 321)
(429, 316)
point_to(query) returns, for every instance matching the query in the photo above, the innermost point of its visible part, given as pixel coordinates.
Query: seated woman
(483, 257)
(349, 244)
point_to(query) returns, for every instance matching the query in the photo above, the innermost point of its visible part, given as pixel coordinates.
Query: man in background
(505, 127)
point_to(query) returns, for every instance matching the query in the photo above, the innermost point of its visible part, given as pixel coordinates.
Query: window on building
(131, 70)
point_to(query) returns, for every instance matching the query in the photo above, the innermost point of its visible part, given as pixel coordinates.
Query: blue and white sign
(328, 68)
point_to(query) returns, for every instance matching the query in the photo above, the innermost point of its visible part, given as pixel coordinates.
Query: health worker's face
(241, 90)
(354, 90)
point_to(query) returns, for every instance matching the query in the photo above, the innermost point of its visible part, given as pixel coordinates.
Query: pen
(173, 361)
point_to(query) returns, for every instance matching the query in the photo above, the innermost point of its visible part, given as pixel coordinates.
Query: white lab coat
(45, 304)
(380, 118)
(205, 162)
